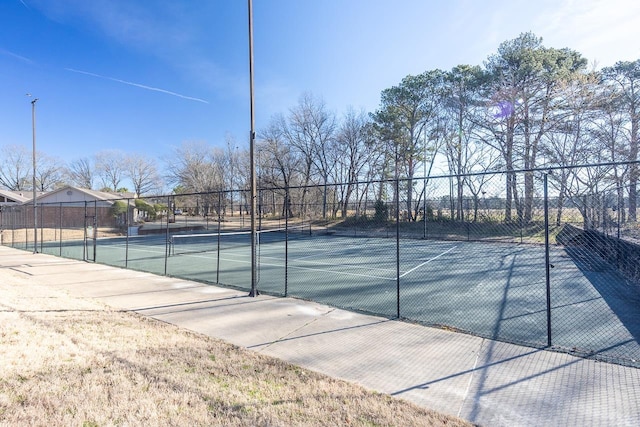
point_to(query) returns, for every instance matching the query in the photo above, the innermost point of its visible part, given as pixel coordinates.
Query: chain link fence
(528, 257)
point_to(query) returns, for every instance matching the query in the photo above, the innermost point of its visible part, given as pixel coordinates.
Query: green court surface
(494, 290)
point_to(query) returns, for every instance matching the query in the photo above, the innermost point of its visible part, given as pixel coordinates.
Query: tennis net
(180, 244)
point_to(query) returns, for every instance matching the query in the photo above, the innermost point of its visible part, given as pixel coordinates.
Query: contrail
(15, 55)
(24, 4)
(190, 98)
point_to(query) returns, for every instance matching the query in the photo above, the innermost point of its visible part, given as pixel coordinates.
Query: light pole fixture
(35, 204)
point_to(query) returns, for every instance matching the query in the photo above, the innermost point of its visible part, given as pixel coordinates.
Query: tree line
(105, 171)
(527, 107)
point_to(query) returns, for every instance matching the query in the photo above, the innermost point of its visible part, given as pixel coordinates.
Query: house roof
(16, 196)
(99, 195)
(25, 197)
(69, 190)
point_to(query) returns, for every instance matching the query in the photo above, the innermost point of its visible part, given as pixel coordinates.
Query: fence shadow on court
(620, 295)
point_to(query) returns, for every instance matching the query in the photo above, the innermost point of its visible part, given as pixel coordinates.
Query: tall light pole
(252, 138)
(35, 204)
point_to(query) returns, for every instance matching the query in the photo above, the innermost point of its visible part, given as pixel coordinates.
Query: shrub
(118, 208)
(382, 211)
(149, 210)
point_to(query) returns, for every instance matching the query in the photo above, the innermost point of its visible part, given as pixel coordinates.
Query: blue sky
(144, 76)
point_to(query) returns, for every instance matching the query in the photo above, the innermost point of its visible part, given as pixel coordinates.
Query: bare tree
(353, 152)
(49, 172)
(569, 141)
(81, 172)
(457, 127)
(311, 131)
(483, 158)
(197, 167)
(625, 78)
(143, 173)
(110, 165)
(15, 167)
(279, 163)
(609, 133)
(231, 168)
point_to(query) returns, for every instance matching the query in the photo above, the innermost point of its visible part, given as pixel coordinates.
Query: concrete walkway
(486, 382)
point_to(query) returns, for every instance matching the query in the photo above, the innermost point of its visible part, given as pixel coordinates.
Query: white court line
(328, 264)
(133, 248)
(428, 261)
(475, 366)
(309, 256)
(368, 276)
(320, 269)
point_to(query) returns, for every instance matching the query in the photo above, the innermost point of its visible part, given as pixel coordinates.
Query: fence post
(13, 228)
(95, 228)
(60, 247)
(620, 207)
(546, 253)
(167, 241)
(218, 244)
(286, 241)
(587, 216)
(126, 239)
(357, 210)
(424, 205)
(84, 227)
(397, 247)
(618, 220)
(41, 224)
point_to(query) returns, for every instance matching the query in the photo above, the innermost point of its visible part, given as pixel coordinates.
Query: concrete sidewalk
(486, 382)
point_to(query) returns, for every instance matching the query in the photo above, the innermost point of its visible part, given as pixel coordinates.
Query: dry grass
(21, 235)
(69, 361)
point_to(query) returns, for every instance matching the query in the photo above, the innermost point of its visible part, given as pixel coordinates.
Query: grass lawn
(71, 361)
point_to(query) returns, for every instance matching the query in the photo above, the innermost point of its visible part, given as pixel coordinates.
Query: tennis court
(495, 290)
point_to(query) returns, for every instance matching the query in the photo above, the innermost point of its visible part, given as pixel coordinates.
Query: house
(66, 207)
(71, 206)
(11, 206)
(71, 194)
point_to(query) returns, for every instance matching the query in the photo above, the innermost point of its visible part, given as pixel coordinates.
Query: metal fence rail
(544, 267)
